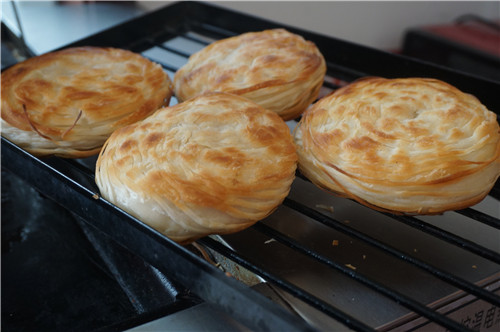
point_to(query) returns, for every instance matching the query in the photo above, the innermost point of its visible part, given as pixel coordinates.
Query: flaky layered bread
(414, 145)
(217, 163)
(68, 102)
(276, 69)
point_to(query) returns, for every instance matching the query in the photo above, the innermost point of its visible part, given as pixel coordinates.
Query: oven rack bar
(480, 216)
(254, 267)
(438, 232)
(447, 236)
(337, 225)
(326, 308)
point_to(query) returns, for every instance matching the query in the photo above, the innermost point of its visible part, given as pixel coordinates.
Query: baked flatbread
(276, 69)
(68, 102)
(217, 163)
(412, 145)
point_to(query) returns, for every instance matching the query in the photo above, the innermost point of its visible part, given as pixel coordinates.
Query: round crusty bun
(68, 102)
(409, 145)
(276, 69)
(217, 163)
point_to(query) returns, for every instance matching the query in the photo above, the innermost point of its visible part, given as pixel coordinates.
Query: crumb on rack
(352, 267)
(269, 241)
(95, 196)
(328, 208)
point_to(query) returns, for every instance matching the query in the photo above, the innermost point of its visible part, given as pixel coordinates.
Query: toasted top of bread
(413, 145)
(213, 164)
(276, 69)
(68, 102)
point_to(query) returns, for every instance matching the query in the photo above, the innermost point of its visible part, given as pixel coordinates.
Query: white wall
(373, 23)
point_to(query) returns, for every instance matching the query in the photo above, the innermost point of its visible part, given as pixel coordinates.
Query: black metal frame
(71, 183)
(418, 41)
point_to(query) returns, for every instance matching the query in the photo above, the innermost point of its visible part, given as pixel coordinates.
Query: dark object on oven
(470, 44)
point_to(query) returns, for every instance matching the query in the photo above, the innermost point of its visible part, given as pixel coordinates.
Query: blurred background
(380, 24)
(460, 34)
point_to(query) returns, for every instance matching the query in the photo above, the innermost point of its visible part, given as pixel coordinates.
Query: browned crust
(60, 95)
(275, 68)
(421, 139)
(219, 152)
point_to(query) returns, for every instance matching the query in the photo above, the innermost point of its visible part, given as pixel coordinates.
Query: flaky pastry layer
(413, 145)
(217, 163)
(68, 102)
(276, 69)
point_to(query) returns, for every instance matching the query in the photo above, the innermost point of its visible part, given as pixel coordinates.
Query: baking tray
(168, 36)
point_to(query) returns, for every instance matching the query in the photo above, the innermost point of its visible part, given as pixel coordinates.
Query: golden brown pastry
(412, 145)
(276, 69)
(217, 163)
(68, 102)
